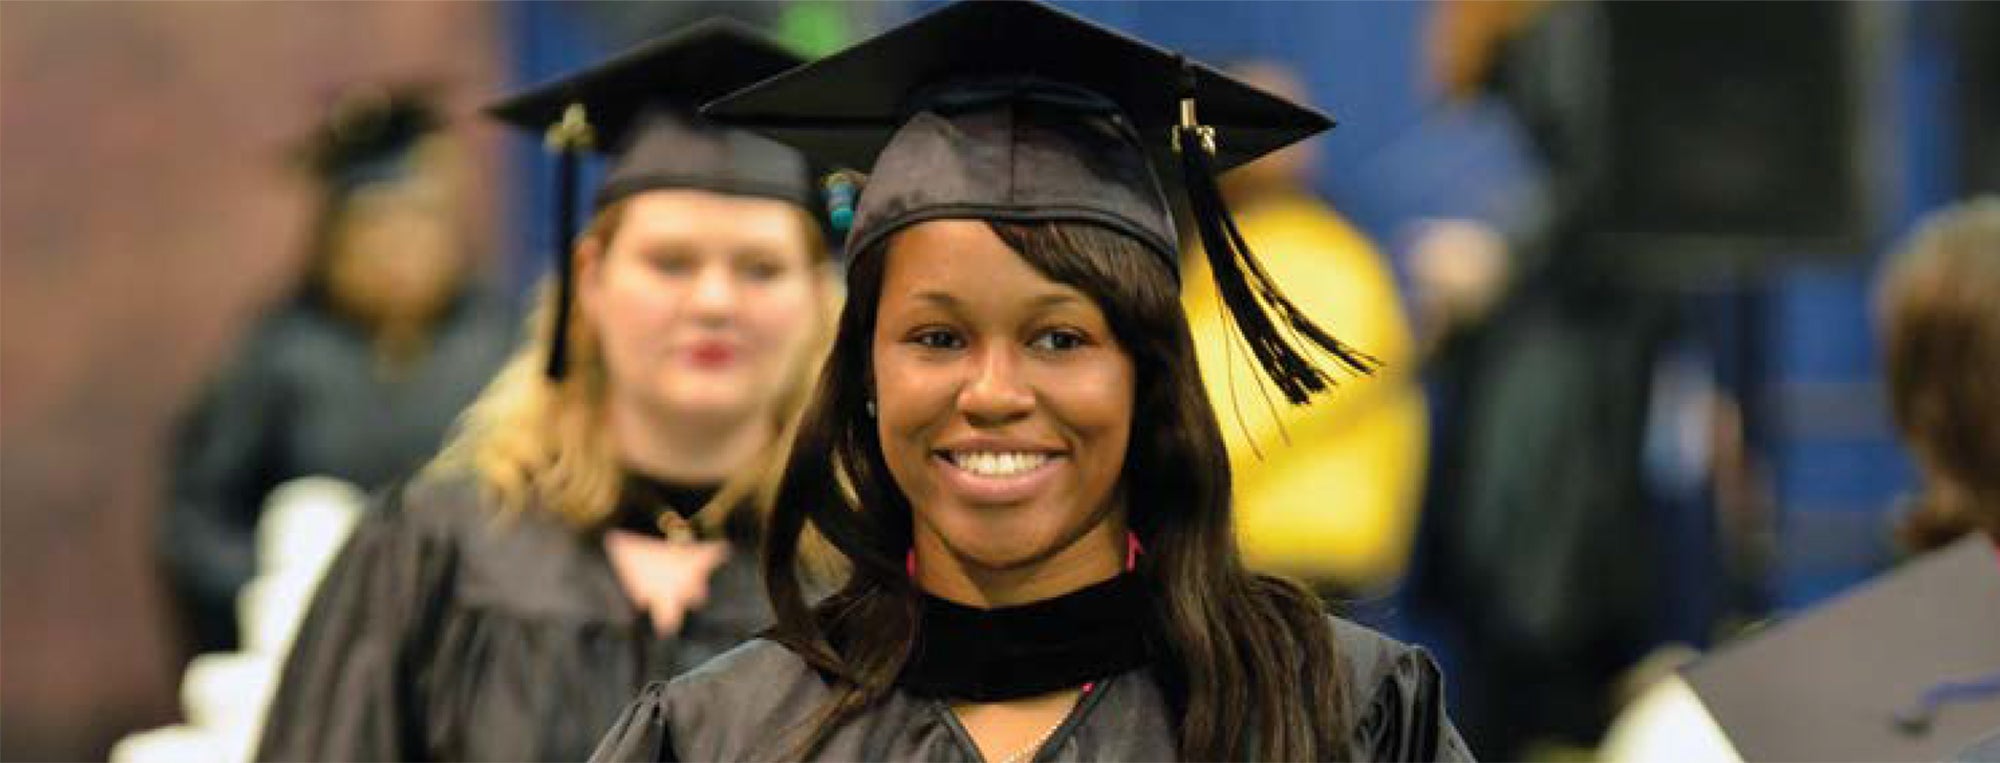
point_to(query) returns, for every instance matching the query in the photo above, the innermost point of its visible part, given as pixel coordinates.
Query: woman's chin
(998, 550)
(1000, 559)
(708, 399)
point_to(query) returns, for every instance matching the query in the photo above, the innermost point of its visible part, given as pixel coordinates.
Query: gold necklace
(1026, 754)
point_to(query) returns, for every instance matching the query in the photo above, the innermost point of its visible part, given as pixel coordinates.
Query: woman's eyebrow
(936, 297)
(1055, 299)
(1040, 303)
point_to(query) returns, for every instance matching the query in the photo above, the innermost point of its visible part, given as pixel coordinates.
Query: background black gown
(749, 703)
(450, 631)
(302, 398)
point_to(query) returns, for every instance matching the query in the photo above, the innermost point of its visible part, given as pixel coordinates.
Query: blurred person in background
(1938, 318)
(1539, 559)
(1939, 309)
(355, 376)
(1329, 493)
(591, 526)
(1926, 627)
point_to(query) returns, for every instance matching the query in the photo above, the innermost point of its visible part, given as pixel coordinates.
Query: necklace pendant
(675, 527)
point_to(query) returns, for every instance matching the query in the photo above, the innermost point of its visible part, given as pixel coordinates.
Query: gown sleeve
(348, 688)
(641, 733)
(743, 705)
(222, 464)
(1405, 718)
(1396, 698)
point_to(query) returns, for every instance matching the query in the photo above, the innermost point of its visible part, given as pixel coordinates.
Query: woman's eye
(1059, 339)
(936, 339)
(674, 265)
(761, 271)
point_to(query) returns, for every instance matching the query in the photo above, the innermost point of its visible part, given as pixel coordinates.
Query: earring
(871, 408)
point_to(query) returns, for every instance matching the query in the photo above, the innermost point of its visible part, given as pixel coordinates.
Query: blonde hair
(538, 444)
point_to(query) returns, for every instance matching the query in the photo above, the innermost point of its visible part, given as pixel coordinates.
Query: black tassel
(1255, 303)
(565, 228)
(567, 139)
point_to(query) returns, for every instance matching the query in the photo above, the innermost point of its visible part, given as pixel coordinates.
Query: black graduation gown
(448, 630)
(302, 398)
(746, 704)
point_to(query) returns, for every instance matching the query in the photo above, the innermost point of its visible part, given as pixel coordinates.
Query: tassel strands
(1252, 298)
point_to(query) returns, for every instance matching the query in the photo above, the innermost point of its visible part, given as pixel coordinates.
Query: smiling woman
(1012, 445)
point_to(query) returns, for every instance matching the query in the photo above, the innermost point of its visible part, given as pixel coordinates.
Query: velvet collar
(990, 655)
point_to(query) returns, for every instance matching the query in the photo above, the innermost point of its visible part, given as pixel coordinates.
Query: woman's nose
(715, 292)
(996, 392)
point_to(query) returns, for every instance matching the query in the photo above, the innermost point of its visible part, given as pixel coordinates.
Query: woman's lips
(711, 354)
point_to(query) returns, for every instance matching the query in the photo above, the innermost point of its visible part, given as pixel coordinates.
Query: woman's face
(1004, 403)
(702, 302)
(396, 252)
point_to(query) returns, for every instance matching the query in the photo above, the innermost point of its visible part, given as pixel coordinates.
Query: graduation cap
(1905, 668)
(1016, 111)
(369, 134)
(639, 109)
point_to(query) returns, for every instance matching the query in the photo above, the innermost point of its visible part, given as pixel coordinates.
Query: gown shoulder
(1396, 698)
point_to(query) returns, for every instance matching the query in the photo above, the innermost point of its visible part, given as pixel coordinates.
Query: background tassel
(568, 139)
(565, 228)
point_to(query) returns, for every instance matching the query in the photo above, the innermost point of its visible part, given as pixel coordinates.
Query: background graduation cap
(639, 109)
(1905, 668)
(369, 135)
(1013, 110)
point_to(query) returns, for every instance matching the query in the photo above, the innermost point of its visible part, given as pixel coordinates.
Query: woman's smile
(997, 473)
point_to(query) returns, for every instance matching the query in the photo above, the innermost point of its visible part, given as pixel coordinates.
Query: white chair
(1667, 723)
(225, 695)
(167, 744)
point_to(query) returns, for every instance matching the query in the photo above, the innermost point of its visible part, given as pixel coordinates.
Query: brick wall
(145, 217)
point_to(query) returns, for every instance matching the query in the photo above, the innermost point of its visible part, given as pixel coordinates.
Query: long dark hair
(1236, 644)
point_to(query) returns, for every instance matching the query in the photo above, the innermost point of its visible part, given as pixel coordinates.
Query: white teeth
(998, 464)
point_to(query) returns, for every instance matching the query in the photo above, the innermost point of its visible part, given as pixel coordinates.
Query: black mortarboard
(639, 108)
(1016, 111)
(369, 134)
(1905, 668)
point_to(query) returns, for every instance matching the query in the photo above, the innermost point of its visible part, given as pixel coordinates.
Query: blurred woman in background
(559, 554)
(358, 374)
(1940, 323)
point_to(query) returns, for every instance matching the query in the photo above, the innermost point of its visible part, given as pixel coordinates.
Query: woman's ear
(589, 255)
(588, 259)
